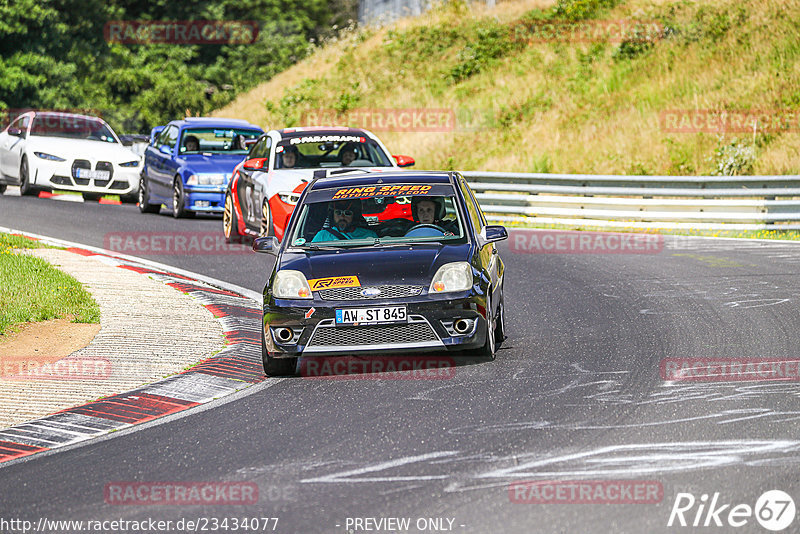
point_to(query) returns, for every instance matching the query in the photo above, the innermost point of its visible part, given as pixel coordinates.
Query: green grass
(32, 290)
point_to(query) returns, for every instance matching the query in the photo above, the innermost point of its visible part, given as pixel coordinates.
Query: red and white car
(264, 189)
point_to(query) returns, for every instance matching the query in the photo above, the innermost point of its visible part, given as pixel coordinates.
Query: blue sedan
(189, 162)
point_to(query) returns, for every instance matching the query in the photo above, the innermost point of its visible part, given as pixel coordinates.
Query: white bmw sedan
(46, 150)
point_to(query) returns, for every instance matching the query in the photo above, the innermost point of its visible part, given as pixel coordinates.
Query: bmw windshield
(379, 215)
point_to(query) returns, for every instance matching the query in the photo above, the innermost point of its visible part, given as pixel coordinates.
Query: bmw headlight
(207, 178)
(456, 276)
(48, 157)
(290, 284)
(289, 197)
(134, 163)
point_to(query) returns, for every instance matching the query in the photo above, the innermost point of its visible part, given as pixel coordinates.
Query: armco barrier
(702, 202)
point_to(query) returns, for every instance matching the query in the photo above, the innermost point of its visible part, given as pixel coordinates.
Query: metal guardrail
(701, 202)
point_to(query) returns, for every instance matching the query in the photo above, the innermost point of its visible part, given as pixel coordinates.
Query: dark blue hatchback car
(189, 162)
(348, 281)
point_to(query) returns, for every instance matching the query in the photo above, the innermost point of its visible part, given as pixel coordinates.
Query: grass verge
(33, 290)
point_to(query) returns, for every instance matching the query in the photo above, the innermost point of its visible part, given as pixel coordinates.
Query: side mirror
(266, 244)
(165, 149)
(16, 132)
(493, 233)
(255, 164)
(404, 161)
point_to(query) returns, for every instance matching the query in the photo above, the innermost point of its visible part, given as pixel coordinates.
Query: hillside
(522, 102)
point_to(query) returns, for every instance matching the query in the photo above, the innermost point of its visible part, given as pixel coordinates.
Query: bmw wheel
(230, 224)
(178, 199)
(267, 229)
(144, 198)
(25, 187)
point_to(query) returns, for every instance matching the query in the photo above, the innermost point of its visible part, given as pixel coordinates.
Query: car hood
(403, 265)
(211, 163)
(81, 148)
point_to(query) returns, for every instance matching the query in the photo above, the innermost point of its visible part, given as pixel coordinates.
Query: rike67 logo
(774, 510)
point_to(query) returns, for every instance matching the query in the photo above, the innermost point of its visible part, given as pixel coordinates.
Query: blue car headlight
(48, 157)
(208, 178)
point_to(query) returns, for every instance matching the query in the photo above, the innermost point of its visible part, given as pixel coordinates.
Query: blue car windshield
(344, 221)
(216, 140)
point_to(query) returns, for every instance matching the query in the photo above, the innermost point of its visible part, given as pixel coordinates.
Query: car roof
(368, 178)
(214, 122)
(320, 130)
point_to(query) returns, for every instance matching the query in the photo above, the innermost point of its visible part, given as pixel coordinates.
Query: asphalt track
(575, 395)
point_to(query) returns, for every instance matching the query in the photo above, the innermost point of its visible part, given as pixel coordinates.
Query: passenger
(191, 143)
(431, 210)
(289, 159)
(347, 222)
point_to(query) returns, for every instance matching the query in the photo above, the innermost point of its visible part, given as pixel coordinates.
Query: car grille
(391, 334)
(80, 164)
(119, 185)
(104, 166)
(354, 293)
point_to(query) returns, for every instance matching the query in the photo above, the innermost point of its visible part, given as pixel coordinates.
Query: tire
(178, 199)
(25, 187)
(230, 222)
(3, 188)
(91, 197)
(144, 198)
(489, 348)
(267, 228)
(276, 366)
(500, 324)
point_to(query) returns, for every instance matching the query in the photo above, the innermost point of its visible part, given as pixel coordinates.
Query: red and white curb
(236, 367)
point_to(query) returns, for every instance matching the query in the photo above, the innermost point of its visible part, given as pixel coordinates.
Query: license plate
(380, 315)
(95, 175)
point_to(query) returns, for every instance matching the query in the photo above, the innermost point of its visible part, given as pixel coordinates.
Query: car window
(472, 207)
(169, 137)
(216, 140)
(261, 149)
(476, 203)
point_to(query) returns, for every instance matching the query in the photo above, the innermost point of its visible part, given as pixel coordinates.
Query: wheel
(144, 198)
(91, 197)
(276, 366)
(25, 187)
(178, 200)
(267, 229)
(500, 324)
(3, 188)
(490, 345)
(230, 223)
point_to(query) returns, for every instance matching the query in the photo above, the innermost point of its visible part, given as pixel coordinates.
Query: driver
(348, 222)
(348, 154)
(191, 143)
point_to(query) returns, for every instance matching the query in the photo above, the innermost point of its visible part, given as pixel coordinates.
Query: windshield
(72, 127)
(406, 214)
(329, 151)
(216, 140)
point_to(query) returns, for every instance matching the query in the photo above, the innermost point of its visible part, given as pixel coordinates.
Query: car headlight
(207, 178)
(456, 276)
(289, 197)
(48, 157)
(290, 284)
(134, 163)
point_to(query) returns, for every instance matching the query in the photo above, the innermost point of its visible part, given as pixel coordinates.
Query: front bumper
(206, 199)
(62, 175)
(429, 327)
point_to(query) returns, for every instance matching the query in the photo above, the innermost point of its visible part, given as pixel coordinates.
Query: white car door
(12, 146)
